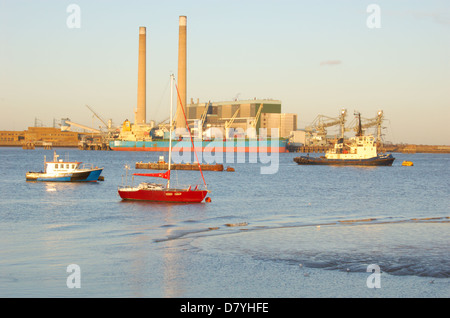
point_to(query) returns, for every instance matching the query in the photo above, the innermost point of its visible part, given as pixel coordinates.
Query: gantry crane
(96, 115)
(205, 113)
(228, 123)
(321, 122)
(108, 125)
(71, 123)
(255, 121)
(371, 122)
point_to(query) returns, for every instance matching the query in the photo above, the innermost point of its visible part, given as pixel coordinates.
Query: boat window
(56, 166)
(67, 166)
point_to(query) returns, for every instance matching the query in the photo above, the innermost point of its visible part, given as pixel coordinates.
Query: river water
(299, 231)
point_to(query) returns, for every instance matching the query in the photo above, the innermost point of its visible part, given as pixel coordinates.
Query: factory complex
(205, 121)
(251, 125)
(241, 115)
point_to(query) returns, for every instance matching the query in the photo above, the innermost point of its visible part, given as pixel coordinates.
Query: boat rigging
(166, 193)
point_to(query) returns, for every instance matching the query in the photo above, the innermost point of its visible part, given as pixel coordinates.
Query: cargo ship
(247, 145)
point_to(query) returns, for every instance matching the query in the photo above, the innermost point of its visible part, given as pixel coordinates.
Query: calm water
(304, 231)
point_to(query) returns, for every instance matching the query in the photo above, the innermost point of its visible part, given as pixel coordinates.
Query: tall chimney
(140, 114)
(181, 123)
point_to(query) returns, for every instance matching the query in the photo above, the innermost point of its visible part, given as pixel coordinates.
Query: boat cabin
(60, 166)
(359, 147)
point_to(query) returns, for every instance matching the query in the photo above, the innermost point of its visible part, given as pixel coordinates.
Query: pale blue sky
(265, 49)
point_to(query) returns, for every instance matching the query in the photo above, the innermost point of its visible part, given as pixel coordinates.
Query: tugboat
(359, 150)
(64, 171)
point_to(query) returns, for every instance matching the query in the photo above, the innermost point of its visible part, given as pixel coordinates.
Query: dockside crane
(111, 130)
(201, 123)
(96, 115)
(228, 123)
(372, 122)
(71, 123)
(205, 113)
(321, 123)
(255, 121)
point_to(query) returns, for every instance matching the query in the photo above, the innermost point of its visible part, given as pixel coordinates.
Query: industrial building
(49, 137)
(225, 116)
(11, 138)
(285, 123)
(40, 136)
(53, 135)
(242, 114)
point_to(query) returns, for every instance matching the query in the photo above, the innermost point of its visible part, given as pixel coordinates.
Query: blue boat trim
(63, 171)
(87, 176)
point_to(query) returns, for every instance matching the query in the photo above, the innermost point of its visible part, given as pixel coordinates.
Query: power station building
(242, 114)
(227, 115)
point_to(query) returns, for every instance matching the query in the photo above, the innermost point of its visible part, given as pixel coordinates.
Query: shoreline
(400, 148)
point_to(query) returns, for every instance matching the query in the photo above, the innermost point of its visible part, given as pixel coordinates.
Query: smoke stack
(140, 114)
(181, 123)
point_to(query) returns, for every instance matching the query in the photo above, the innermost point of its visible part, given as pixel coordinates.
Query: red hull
(172, 195)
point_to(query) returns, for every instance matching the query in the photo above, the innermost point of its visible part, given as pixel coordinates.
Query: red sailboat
(156, 192)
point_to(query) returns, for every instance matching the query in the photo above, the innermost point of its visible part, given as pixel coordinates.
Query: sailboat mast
(170, 127)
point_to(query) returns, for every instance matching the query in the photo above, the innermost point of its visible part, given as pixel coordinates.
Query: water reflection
(162, 267)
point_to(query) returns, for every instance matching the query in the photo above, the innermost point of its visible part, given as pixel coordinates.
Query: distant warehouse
(39, 136)
(243, 114)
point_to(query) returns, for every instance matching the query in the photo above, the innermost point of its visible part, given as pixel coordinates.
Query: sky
(315, 56)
